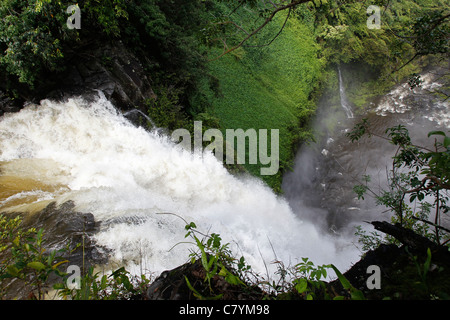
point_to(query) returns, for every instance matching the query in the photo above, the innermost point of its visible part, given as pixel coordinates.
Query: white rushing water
(125, 176)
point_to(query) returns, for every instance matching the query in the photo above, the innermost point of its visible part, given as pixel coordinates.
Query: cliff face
(112, 69)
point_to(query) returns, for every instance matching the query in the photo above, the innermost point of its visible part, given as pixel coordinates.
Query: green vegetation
(268, 88)
(380, 58)
(417, 195)
(25, 258)
(35, 40)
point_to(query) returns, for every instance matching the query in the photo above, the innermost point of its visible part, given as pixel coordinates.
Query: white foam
(401, 100)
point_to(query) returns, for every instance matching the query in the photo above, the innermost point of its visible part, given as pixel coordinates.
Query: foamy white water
(125, 176)
(403, 99)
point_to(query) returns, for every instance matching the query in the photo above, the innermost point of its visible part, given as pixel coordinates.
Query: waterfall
(89, 153)
(344, 101)
(322, 180)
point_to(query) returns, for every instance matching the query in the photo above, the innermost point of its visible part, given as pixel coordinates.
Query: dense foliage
(35, 39)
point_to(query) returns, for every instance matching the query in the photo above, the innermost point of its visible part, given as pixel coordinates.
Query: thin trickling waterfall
(344, 101)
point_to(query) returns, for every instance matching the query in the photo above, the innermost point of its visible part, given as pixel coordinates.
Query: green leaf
(431, 133)
(103, 282)
(59, 286)
(59, 263)
(205, 260)
(357, 295)
(234, 280)
(345, 283)
(190, 226)
(211, 262)
(354, 293)
(204, 257)
(36, 265)
(302, 285)
(195, 292)
(13, 271)
(426, 266)
(446, 142)
(16, 241)
(223, 272)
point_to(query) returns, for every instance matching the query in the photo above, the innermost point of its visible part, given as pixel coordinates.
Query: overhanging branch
(268, 19)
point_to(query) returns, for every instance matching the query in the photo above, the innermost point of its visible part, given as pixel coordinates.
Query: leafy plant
(309, 282)
(216, 259)
(369, 241)
(418, 172)
(25, 258)
(422, 270)
(355, 294)
(118, 285)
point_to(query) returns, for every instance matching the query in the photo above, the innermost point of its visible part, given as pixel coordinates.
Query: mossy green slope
(269, 87)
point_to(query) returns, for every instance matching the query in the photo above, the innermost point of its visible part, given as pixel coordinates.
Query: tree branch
(404, 235)
(432, 224)
(276, 36)
(269, 19)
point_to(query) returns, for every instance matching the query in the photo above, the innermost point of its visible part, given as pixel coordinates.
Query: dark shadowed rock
(111, 69)
(114, 70)
(63, 225)
(172, 285)
(8, 104)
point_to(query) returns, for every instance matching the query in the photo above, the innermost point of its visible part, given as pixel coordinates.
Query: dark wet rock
(8, 103)
(113, 70)
(62, 226)
(172, 285)
(110, 68)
